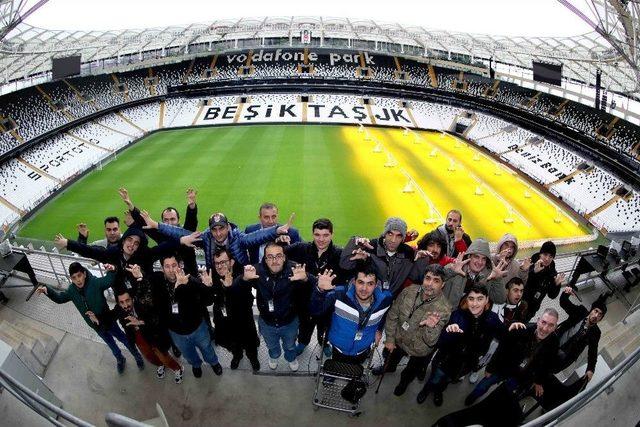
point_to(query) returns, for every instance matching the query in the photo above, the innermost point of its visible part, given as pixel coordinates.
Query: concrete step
(45, 346)
(23, 352)
(613, 351)
(42, 350)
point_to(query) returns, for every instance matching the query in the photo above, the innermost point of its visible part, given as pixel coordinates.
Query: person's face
(453, 221)
(595, 316)
(434, 249)
(508, 249)
(476, 303)
(220, 233)
(170, 267)
(392, 240)
(79, 279)
(477, 263)
(112, 231)
(130, 245)
(546, 325)
(432, 285)
(514, 295)
(322, 238)
(274, 257)
(125, 302)
(365, 285)
(546, 259)
(170, 216)
(268, 217)
(222, 264)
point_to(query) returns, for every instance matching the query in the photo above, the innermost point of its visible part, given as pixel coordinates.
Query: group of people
(443, 300)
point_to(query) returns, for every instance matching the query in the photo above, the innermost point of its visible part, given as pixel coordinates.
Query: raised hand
(412, 235)
(249, 273)
(109, 267)
(299, 273)
(325, 280)
(181, 278)
(431, 320)
(91, 315)
(363, 242)
(283, 238)
(459, 263)
(525, 264)
(517, 325)
(205, 277)
(42, 290)
(559, 279)
(498, 271)
(191, 239)
(124, 195)
(537, 267)
(227, 279)
(359, 254)
(60, 241)
(134, 321)
(454, 329)
(568, 290)
(423, 254)
(191, 197)
(128, 219)
(458, 233)
(284, 229)
(135, 271)
(148, 220)
(83, 230)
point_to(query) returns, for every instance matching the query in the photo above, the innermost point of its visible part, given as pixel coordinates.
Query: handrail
(117, 420)
(573, 405)
(18, 390)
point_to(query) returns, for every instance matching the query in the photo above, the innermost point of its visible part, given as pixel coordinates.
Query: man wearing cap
(543, 279)
(389, 256)
(579, 331)
(268, 216)
(220, 235)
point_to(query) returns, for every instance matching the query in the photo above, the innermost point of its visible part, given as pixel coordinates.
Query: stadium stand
(623, 216)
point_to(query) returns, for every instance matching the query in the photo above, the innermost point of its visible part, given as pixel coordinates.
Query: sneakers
(160, 372)
(255, 364)
(217, 369)
(235, 362)
(422, 396)
(327, 351)
(140, 364)
(474, 376)
(121, 365)
(400, 389)
(177, 375)
(294, 365)
(299, 349)
(197, 371)
(273, 363)
(380, 370)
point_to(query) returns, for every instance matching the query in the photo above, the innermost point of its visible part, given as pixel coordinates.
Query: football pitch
(355, 176)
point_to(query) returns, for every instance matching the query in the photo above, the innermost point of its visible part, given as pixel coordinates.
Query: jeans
(154, 355)
(199, 339)
(273, 334)
(114, 331)
(484, 385)
(410, 372)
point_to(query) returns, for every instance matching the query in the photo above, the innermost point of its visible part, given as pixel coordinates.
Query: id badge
(223, 309)
(385, 285)
(358, 336)
(174, 308)
(537, 295)
(523, 364)
(405, 326)
(127, 284)
(271, 306)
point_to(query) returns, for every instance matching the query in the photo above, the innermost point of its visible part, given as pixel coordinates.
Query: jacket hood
(508, 237)
(135, 231)
(480, 247)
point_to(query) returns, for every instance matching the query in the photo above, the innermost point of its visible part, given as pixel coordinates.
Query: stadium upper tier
(32, 112)
(27, 50)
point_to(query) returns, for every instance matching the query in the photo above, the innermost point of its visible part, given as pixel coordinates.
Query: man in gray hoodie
(505, 259)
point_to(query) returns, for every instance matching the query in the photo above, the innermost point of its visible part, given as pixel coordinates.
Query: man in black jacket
(579, 331)
(277, 281)
(543, 279)
(180, 299)
(319, 255)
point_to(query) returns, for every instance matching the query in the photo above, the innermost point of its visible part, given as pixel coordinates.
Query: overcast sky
(501, 17)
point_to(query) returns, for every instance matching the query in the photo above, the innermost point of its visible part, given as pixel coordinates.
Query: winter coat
(254, 251)
(576, 344)
(452, 248)
(409, 307)
(513, 268)
(539, 285)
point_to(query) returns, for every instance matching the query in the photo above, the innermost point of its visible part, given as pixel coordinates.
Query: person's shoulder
(251, 228)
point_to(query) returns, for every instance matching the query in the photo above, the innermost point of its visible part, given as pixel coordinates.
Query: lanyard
(413, 310)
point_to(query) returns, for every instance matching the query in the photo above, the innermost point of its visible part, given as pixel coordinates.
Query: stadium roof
(610, 46)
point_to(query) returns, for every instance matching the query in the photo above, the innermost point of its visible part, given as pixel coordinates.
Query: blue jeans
(273, 334)
(485, 384)
(199, 339)
(114, 331)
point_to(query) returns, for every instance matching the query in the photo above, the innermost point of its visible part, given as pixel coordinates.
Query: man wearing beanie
(543, 279)
(579, 331)
(389, 256)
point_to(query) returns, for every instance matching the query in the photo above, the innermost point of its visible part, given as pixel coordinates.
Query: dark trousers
(358, 359)
(307, 324)
(410, 372)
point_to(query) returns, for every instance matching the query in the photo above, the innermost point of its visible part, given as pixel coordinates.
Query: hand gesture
(42, 290)
(60, 241)
(124, 195)
(559, 279)
(109, 267)
(423, 254)
(359, 253)
(325, 280)
(498, 271)
(191, 197)
(134, 321)
(284, 229)
(589, 375)
(128, 219)
(363, 242)
(378, 337)
(135, 271)
(525, 264)
(459, 263)
(454, 329)
(148, 220)
(181, 278)
(431, 320)
(517, 325)
(191, 239)
(539, 390)
(537, 268)
(299, 273)
(568, 290)
(390, 346)
(283, 238)
(227, 279)
(458, 233)
(412, 235)
(205, 277)
(83, 230)
(505, 253)
(249, 273)
(91, 315)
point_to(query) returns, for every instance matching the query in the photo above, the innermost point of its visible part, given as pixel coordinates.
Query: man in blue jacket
(358, 313)
(268, 215)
